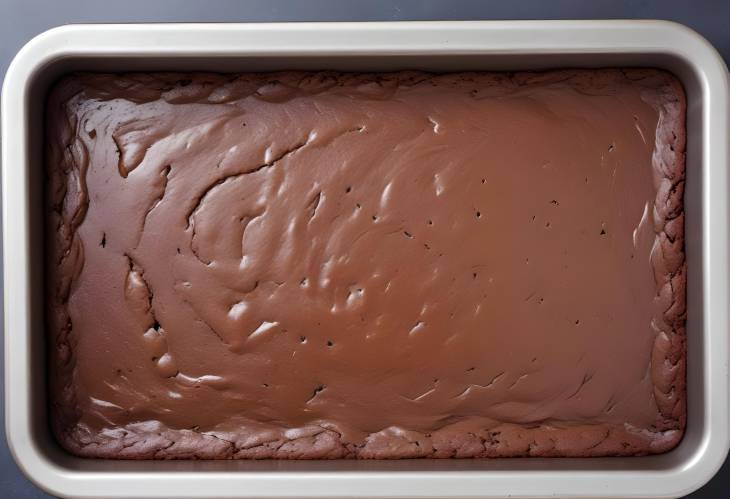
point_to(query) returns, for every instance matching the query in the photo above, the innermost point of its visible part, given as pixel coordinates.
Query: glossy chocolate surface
(311, 265)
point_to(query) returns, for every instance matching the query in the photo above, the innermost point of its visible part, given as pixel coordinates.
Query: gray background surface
(20, 20)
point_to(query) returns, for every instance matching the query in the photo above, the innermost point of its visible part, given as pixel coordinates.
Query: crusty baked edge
(67, 162)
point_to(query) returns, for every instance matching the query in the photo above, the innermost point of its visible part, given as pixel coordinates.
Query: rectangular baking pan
(434, 46)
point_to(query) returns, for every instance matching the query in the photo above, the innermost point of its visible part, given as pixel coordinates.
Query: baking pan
(433, 46)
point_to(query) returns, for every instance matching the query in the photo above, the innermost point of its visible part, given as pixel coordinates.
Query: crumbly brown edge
(67, 161)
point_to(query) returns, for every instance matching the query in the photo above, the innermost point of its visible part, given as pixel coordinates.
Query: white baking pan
(435, 46)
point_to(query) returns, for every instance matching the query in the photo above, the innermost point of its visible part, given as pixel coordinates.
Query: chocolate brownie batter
(330, 265)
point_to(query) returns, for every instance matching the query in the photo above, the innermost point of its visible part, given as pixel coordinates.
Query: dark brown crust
(67, 162)
(151, 440)
(668, 363)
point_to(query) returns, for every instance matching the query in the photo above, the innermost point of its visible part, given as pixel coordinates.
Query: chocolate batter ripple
(332, 265)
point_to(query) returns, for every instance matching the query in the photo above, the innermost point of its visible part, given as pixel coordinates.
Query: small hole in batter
(408, 234)
(303, 339)
(479, 214)
(429, 222)
(316, 391)
(603, 232)
(103, 240)
(348, 190)
(330, 344)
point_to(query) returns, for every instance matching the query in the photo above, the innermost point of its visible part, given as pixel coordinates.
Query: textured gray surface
(20, 20)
